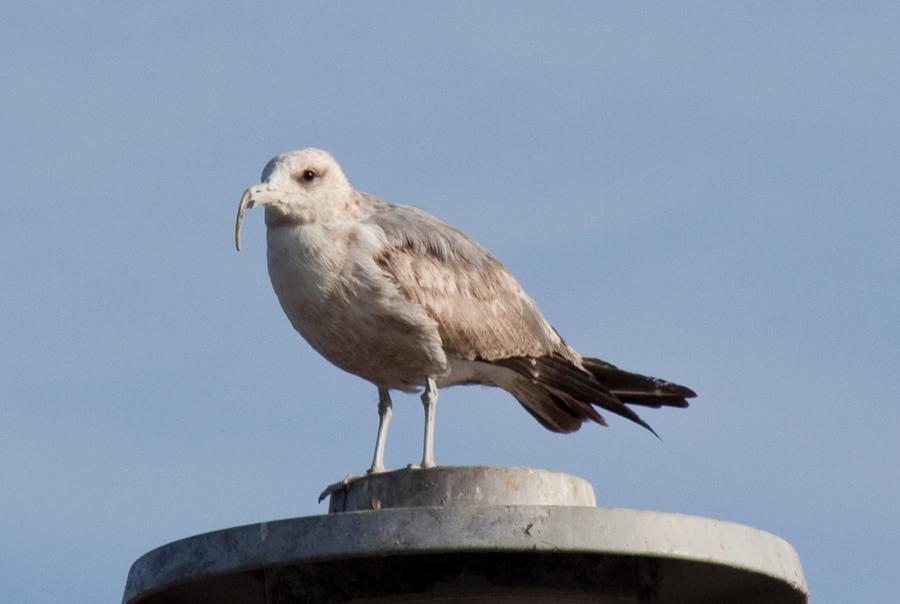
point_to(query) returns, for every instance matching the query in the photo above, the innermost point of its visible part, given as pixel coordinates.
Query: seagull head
(300, 187)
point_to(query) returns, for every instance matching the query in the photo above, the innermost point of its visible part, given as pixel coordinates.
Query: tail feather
(561, 395)
(636, 389)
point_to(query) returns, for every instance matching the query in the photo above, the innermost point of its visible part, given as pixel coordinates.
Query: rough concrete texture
(474, 553)
(462, 486)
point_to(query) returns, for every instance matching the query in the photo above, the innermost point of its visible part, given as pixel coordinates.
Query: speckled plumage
(396, 296)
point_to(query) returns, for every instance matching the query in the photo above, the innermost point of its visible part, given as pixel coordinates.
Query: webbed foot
(344, 484)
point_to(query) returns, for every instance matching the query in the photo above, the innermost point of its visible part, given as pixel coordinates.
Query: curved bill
(257, 195)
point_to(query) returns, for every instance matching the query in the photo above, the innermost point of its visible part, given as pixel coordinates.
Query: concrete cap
(462, 486)
(476, 553)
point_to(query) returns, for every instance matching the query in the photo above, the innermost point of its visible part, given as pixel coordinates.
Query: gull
(402, 299)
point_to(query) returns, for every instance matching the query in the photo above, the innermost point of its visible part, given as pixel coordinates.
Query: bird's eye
(308, 175)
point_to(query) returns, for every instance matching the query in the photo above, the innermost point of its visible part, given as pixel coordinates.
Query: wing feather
(484, 315)
(481, 310)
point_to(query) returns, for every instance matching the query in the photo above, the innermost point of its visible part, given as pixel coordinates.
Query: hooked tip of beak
(257, 195)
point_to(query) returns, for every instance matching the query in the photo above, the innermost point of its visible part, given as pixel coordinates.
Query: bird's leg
(384, 418)
(429, 400)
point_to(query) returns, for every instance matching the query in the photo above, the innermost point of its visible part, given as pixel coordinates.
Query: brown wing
(481, 310)
(483, 314)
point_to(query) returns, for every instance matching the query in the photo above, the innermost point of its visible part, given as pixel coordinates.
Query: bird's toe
(342, 485)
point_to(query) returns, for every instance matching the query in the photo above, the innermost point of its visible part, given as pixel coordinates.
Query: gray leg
(384, 418)
(429, 400)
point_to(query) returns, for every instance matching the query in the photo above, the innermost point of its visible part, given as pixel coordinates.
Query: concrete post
(473, 534)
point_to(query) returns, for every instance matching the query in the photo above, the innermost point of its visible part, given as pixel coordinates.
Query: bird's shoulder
(480, 308)
(412, 229)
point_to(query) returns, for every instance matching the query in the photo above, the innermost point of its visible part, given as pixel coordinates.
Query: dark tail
(562, 395)
(636, 389)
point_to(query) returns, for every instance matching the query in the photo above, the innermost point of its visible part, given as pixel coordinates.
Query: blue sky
(704, 192)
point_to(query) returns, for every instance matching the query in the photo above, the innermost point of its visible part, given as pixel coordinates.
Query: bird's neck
(288, 215)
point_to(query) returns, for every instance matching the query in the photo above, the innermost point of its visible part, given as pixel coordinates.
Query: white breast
(339, 299)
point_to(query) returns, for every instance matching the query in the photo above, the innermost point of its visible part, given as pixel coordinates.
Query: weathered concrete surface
(474, 553)
(462, 486)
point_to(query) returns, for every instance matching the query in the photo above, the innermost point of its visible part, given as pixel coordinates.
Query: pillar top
(524, 551)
